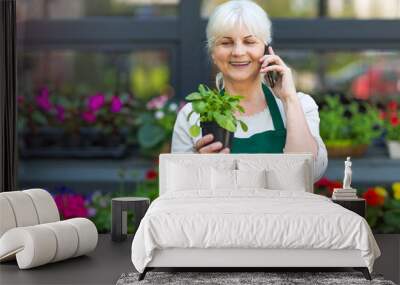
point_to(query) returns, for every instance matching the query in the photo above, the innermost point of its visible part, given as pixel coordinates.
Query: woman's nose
(238, 49)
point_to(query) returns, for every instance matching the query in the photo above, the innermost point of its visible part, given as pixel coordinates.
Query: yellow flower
(380, 191)
(396, 190)
(396, 186)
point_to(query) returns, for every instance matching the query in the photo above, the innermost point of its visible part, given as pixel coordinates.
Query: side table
(119, 208)
(357, 205)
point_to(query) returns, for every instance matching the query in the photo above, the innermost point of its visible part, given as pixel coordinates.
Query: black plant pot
(220, 134)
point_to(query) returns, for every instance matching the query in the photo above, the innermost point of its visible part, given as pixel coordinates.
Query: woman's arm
(302, 126)
(298, 135)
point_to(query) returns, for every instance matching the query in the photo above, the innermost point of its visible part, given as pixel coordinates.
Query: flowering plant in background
(108, 113)
(156, 123)
(325, 187)
(391, 118)
(149, 187)
(70, 205)
(383, 208)
(348, 125)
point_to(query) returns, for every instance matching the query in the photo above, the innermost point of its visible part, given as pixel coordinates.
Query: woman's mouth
(239, 63)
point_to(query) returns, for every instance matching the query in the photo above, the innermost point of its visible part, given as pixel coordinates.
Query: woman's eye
(250, 43)
(225, 43)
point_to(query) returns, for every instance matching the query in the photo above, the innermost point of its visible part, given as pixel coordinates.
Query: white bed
(213, 224)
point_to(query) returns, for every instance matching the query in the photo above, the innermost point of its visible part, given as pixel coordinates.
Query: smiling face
(237, 55)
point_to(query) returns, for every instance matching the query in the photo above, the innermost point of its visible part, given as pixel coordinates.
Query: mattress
(251, 219)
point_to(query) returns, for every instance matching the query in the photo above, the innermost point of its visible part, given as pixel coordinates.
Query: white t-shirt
(259, 122)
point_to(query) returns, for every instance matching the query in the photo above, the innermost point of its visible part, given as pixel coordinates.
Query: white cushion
(285, 174)
(40, 244)
(34, 244)
(45, 205)
(223, 179)
(251, 178)
(23, 208)
(183, 177)
(7, 218)
(293, 180)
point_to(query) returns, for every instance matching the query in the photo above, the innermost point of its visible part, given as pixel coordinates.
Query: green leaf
(392, 218)
(193, 96)
(149, 135)
(243, 126)
(199, 106)
(194, 131)
(202, 90)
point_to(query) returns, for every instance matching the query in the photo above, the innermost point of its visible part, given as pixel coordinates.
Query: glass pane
(69, 100)
(72, 9)
(274, 8)
(364, 9)
(365, 75)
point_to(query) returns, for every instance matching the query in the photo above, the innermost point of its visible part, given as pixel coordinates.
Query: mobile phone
(270, 74)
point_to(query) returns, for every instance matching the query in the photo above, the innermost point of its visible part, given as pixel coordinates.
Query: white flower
(159, 114)
(173, 107)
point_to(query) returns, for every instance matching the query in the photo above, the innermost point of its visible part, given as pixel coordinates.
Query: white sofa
(171, 233)
(31, 231)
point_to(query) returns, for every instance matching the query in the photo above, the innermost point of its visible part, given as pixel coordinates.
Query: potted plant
(348, 130)
(392, 125)
(216, 114)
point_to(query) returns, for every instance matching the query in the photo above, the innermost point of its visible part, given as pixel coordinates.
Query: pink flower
(60, 113)
(43, 101)
(96, 102)
(157, 102)
(89, 116)
(71, 205)
(116, 104)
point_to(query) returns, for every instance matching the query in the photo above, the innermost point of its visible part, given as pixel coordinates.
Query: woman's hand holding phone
(281, 82)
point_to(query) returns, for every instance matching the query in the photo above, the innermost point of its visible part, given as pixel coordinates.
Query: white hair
(227, 16)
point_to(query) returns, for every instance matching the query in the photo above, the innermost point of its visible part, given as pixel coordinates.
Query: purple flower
(43, 101)
(89, 116)
(96, 101)
(116, 104)
(60, 113)
(92, 212)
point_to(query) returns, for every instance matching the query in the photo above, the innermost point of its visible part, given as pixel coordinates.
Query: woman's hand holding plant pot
(205, 145)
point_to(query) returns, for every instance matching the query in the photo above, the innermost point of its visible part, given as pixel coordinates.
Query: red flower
(392, 106)
(394, 121)
(151, 174)
(323, 182)
(372, 198)
(333, 185)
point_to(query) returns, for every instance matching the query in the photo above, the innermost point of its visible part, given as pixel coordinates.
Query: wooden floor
(102, 266)
(110, 259)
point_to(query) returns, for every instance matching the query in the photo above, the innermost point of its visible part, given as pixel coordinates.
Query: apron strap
(273, 109)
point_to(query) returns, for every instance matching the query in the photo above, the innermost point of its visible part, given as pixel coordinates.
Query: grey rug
(229, 278)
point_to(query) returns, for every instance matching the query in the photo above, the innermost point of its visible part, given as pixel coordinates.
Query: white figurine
(347, 174)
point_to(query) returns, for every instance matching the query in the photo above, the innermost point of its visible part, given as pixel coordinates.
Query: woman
(280, 120)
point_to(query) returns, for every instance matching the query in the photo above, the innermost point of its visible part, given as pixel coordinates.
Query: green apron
(272, 141)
